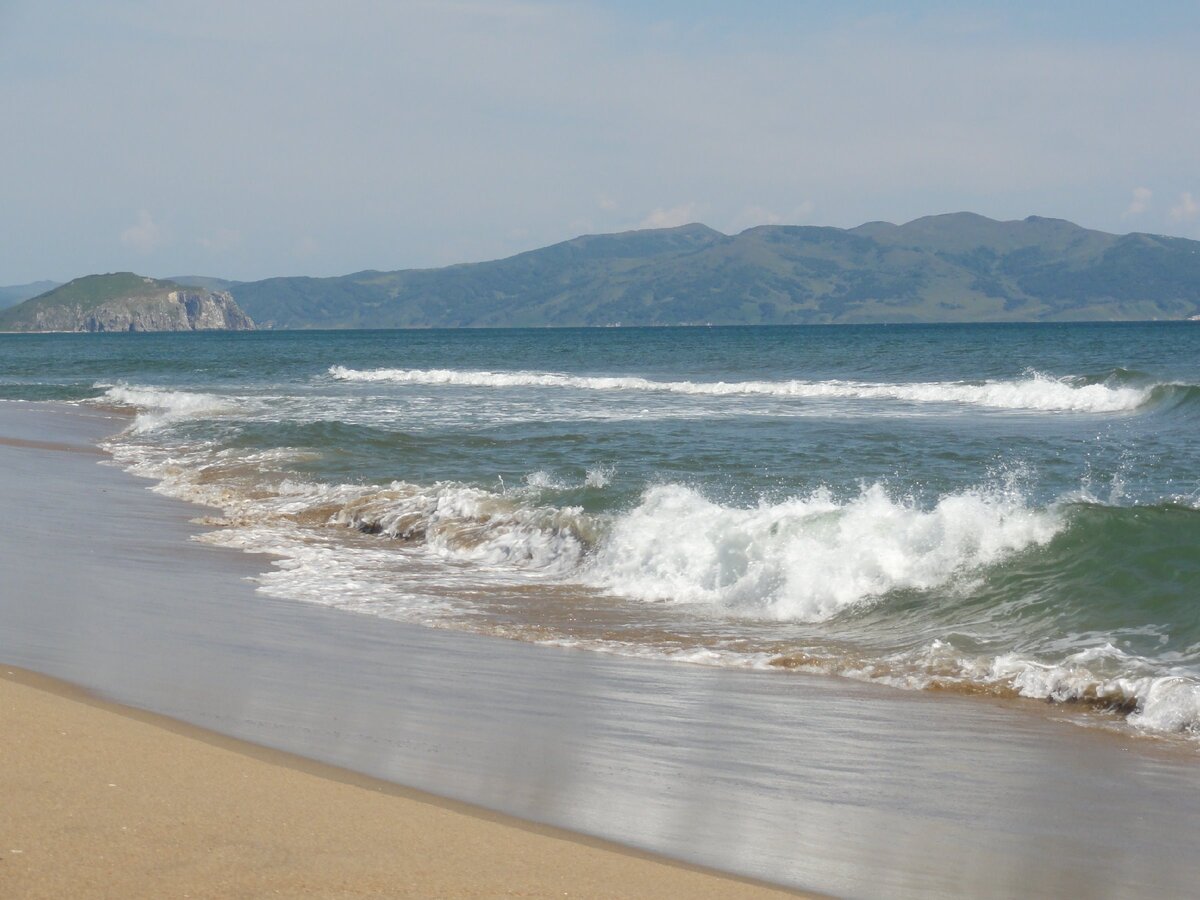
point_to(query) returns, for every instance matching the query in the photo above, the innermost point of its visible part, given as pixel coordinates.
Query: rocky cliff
(182, 310)
(127, 302)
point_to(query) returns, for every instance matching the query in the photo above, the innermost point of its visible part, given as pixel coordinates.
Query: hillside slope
(959, 267)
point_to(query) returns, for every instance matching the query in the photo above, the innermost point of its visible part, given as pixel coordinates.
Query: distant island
(126, 302)
(958, 267)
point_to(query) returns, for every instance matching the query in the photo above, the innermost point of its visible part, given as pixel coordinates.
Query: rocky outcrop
(182, 310)
(172, 308)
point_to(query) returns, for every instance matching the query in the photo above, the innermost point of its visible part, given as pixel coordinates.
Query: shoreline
(586, 865)
(797, 780)
(450, 848)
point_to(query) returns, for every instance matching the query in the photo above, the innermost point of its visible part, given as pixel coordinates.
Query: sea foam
(804, 559)
(1155, 700)
(807, 558)
(470, 524)
(159, 406)
(1035, 392)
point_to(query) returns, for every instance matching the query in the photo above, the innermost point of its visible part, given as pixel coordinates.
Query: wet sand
(104, 801)
(814, 783)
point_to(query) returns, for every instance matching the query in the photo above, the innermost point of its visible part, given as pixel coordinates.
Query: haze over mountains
(12, 294)
(951, 268)
(959, 267)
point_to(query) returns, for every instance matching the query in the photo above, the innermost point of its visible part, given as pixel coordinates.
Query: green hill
(959, 267)
(123, 301)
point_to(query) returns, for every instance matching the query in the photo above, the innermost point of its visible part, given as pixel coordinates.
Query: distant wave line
(1034, 392)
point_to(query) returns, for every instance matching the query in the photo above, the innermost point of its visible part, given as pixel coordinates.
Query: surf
(1036, 392)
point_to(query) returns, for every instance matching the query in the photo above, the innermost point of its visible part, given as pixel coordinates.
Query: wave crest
(1106, 677)
(807, 559)
(159, 406)
(1036, 392)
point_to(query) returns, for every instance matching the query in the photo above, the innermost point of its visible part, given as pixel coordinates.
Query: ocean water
(1009, 510)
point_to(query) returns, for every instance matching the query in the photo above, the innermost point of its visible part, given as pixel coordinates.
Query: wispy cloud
(424, 132)
(802, 212)
(1186, 209)
(144, 235)
(1139, 202)
(670, 217)
(749, 216)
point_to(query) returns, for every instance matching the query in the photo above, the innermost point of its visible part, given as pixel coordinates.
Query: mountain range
(12, 294)
(958, 267)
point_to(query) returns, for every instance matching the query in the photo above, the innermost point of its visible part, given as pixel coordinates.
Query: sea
(997, 510)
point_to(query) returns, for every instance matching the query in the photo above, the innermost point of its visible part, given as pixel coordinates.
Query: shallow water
(822, 783)
(1011, 510)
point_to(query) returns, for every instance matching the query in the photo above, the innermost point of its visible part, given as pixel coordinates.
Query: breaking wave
(1106, 677)
(977, 590)
(808, 558)
(1036, 392)
(157, 407)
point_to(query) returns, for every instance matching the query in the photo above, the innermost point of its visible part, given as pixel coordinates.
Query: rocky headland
(126, 302)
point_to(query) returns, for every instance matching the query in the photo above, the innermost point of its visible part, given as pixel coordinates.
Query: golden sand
(99, 800)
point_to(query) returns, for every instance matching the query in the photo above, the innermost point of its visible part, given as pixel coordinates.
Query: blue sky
(249, 139)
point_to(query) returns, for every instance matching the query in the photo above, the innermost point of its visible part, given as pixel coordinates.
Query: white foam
(159, 406)
(802, 559)
(1035, 392)
(599, 476)
(312, 570)
(470, 524)
(1163, 702)
(543, 480)
(807, 558)
(1168, 704)
(595, 477)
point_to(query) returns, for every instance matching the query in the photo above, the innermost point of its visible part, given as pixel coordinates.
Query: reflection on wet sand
(815, 782)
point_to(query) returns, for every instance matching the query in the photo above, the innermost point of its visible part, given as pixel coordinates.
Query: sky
(252, 138)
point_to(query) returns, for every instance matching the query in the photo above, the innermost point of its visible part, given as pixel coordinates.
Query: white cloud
(1186, 209)
(144, 235)
(1139, 202)
(441, 124)
(757, 215)
(802, 212)
(683, 214)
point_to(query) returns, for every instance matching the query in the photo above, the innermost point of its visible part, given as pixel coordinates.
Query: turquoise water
(1009, 509)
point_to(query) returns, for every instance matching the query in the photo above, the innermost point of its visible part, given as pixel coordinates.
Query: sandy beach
(105, 801)
(813, 783)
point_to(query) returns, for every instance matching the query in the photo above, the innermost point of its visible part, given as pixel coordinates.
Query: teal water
(1010, 509)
